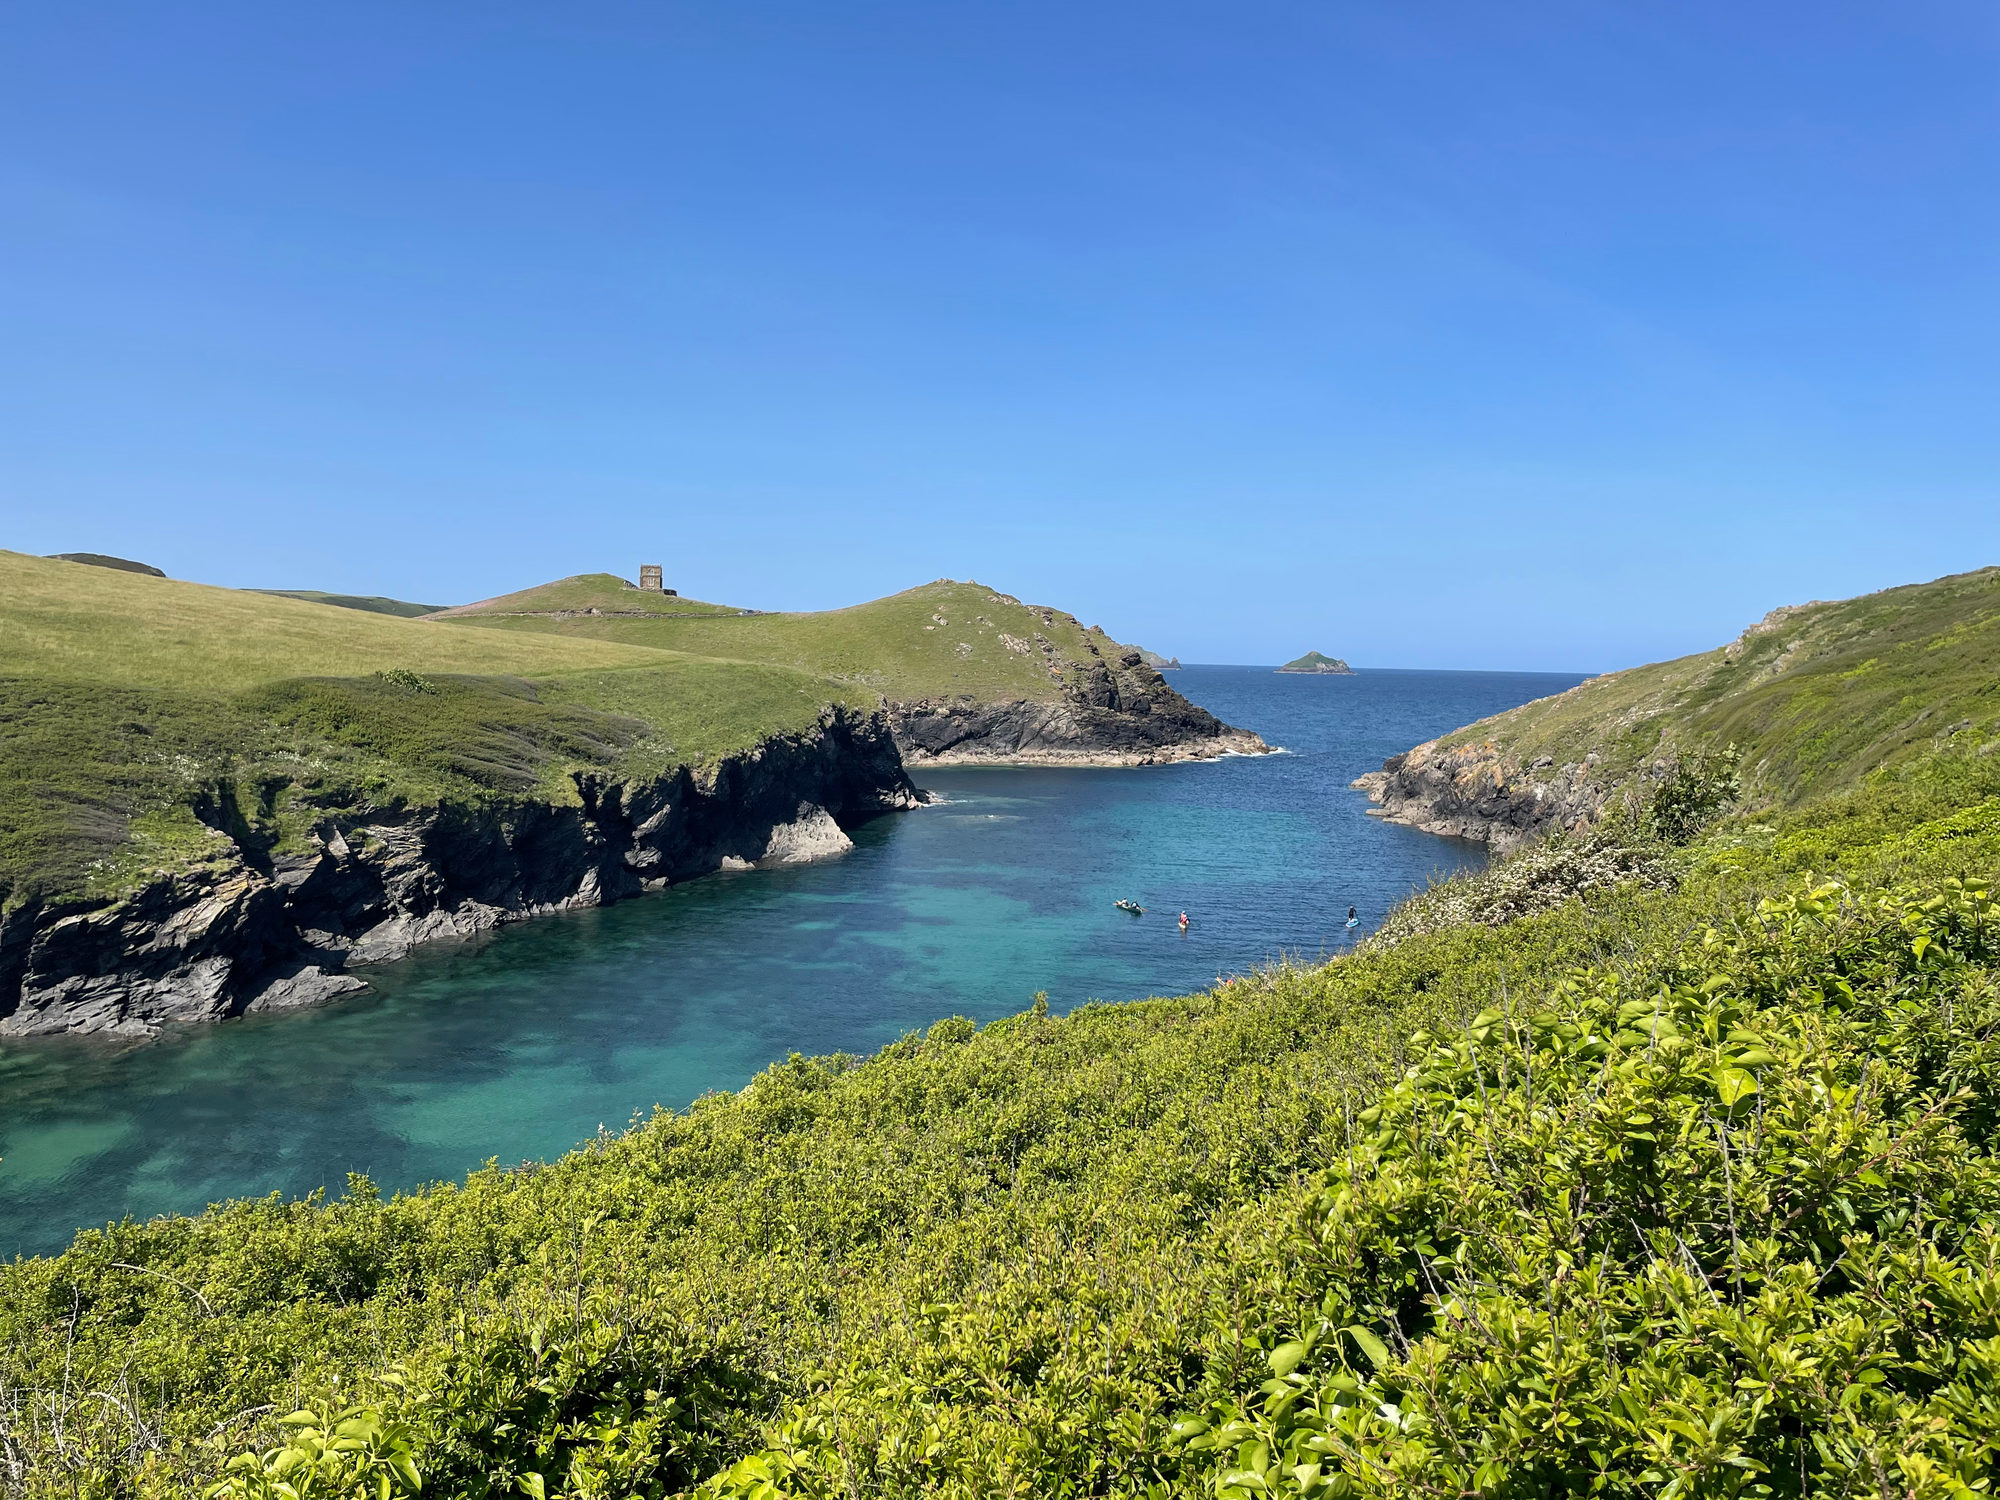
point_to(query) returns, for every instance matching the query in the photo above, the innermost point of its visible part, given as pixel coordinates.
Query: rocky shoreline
(241, 932)
(1114, 711)
(1479, 792)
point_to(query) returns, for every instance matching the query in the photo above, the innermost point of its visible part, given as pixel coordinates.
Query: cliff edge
(966, 674)
(1815, 698)
(240, 928)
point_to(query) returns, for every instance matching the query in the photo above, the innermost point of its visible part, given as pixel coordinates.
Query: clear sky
(1524, 335)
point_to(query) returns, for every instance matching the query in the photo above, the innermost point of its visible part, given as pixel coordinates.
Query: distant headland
(1312, 661)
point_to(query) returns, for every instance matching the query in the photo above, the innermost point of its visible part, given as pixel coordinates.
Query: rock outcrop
(1478, 792)
(1114, 711)
(242, 932)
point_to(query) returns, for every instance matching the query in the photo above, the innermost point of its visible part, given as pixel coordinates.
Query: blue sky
(1539, 336)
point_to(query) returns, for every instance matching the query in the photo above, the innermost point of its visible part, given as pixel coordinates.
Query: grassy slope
(373, 604)
(93, 625)
(600, 591)
(1828, 695)
(895, 646)
(127, 700)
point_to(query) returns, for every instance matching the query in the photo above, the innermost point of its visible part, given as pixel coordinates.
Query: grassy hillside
(1817, 696)
(1679, 1191)
(135, 710)
(605, 592)
(93, 625)
(1314, 661)
(1622, 1169)
(373, 604)
(130, 704)
(940, 640)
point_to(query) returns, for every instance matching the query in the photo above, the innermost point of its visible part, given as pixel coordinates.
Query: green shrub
(1700, 785)
(1732, 1236)
(1682, 1189)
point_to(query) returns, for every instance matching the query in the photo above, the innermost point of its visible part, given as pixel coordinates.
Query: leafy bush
(403, 677)
(1733, 1236)
(355, 1454)
(1699, 785)
(1670, 1192)
(1539, 879)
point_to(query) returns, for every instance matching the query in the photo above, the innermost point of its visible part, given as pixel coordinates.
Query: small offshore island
(1316, 663)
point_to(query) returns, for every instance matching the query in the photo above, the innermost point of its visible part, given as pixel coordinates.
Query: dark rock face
(1477, 792)
(1114, 710)
(241, 933)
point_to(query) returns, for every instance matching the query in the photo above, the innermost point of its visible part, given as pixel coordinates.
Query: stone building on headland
(651, 580)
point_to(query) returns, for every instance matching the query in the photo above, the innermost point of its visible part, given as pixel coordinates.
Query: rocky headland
(241, 931)
(1114, 710)
(1910, 668)
(1477, 791)
(227, 802)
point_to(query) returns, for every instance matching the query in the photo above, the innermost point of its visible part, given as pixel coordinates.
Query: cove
(520, 1043)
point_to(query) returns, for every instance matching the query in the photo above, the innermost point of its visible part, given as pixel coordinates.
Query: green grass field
(601, 591)
(940, 640)
(1829, 695)
(83, 624)
(126, 701)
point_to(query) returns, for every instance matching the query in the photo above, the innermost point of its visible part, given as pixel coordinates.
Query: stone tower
(649, 577)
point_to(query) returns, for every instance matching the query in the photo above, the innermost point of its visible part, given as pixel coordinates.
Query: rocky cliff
(240, 931)
(1477, 791)
(1114, 710)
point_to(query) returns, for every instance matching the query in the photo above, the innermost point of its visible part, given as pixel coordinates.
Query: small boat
(1132, 906)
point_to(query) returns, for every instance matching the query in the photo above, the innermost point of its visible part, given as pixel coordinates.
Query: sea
(518, 1044)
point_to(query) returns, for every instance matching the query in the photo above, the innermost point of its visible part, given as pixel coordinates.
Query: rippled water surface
(522, 1042)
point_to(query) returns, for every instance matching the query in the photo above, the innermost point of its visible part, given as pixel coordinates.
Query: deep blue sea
(522, 1042)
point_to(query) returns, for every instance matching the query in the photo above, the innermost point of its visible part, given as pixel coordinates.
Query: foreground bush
(1662, 1193)
(1731, 1236)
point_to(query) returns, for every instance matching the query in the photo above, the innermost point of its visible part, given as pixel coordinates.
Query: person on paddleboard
(1353, 920)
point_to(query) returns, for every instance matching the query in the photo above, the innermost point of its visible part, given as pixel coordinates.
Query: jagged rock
(1112, 712)
(810, 836)
(228, 937)
(306, 984)
(1477, 792)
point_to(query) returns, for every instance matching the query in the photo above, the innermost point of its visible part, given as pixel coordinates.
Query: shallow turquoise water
(521, 1043)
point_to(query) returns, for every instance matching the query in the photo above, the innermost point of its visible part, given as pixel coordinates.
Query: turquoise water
(522, 1042)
